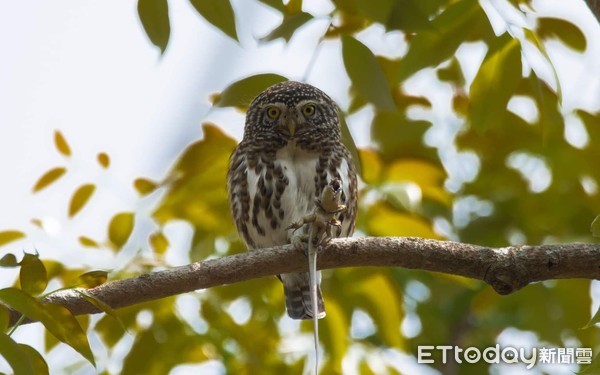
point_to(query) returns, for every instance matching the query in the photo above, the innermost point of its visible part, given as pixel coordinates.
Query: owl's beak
(291, 125)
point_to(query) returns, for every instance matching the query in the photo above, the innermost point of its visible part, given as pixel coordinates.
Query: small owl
(290, 152)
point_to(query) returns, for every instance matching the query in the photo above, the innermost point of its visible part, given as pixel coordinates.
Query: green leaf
(405, 15)
(4, 318)
(275, 4)
(48, 178)
(32, 275)
(14, 354)
(80, 198)
(568, 33)
(376, 10)
(399, 137)
(348, 141)
(102, 306)
(495, 83)
(72, 333)
(456, 24)
(596, 318)
(452, 73)
(57, 319)
(103, 159)
(61, 143)
(595, 228)
(408, 16)
(366, 74)
(218, 13)
(592, 368)
(288, 27)
(334, 333)
(120, 228)
(40, 367)
(92, 279)
(532, 37)
(154, 15)
(239, 94)
(144, 186)
(9, 260)
(10, 236)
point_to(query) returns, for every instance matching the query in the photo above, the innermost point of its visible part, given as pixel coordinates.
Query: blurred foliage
(405, 192)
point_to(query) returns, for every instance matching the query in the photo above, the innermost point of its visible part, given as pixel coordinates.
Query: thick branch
(505, 269)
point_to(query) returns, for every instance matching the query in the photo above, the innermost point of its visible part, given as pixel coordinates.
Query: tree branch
(505, 269)
(594, 6)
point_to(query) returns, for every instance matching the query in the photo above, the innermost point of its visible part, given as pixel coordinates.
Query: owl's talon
(295, 226)
(300, 243)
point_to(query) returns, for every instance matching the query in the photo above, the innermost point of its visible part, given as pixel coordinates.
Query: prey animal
(320, 223)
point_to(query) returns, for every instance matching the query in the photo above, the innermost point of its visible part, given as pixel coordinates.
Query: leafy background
(469, 136)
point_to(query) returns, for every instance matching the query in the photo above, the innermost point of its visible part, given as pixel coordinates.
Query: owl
(290, 151)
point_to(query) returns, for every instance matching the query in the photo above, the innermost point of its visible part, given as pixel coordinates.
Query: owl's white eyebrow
(304, 102)
(263, 106)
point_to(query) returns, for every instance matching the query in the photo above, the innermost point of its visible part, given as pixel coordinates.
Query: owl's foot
(300, 243)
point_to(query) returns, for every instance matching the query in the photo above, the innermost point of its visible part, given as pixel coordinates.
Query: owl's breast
(281, 192)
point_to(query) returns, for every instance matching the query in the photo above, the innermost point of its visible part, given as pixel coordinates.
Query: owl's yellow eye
(273, 112)
(308, 110)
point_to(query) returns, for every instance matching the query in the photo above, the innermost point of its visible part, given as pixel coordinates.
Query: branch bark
(594, 6)
(504, 269)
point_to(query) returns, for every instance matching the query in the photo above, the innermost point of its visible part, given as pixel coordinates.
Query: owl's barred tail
(297, 297)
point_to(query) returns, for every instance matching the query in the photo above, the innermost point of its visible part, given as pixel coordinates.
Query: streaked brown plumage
(290, 151)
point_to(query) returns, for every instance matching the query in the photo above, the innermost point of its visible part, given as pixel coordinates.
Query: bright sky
(88, 69)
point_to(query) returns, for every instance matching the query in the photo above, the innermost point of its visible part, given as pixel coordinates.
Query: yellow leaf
(48, 178)
(198, 192)
(417, 171)
(382, 220)
(159, 242)
(92, 279)
(37, 222)
(88, 242)
(10, 236)
(371, 165)
(61, 144)
(428, 176)
(80, 198)
(144, 186)
(104, 159)
(120, 228)
(384, 306)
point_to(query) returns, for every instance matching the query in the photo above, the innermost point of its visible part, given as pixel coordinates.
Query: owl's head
(292, 110)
